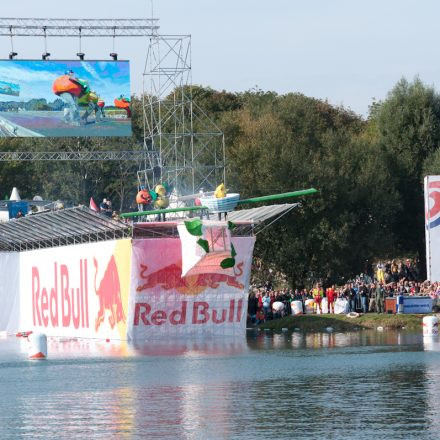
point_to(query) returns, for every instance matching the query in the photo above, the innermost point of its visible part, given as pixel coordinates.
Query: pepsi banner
(165, 304)
(432, 226)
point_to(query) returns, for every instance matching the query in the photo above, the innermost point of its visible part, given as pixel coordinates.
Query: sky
(108, 79)
(350, 52)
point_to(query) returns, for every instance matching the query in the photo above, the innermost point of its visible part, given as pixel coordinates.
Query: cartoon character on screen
(89, 101)
(70, 88)
(123, 103)
(101, 105)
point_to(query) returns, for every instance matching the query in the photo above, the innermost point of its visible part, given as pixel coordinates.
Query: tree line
(369, 173)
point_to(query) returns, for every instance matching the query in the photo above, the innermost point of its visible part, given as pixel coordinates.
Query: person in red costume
(331, 295)
(143, 198)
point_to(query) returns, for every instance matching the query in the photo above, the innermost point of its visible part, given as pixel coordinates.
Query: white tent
(15, 195)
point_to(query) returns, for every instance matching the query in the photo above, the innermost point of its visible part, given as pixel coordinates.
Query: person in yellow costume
(380, 273)
(318, 294)
(162, 200)
(220, 191)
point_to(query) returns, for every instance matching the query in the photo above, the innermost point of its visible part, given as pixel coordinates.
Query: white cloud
(16, 74)
(91, 70)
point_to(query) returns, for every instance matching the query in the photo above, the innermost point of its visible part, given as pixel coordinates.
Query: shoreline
(341, 323)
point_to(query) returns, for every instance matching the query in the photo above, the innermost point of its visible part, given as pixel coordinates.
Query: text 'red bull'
(198, 312)
(61, 305)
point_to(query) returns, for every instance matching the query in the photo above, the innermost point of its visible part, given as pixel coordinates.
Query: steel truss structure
(133, 155)
(185, 147)
(84, 27)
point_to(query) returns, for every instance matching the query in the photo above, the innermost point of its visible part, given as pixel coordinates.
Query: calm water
(363, 385)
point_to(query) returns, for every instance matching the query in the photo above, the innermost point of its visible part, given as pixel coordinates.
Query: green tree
(295, 142)
(408, 128)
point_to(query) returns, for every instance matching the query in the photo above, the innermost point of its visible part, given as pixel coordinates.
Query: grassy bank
(340, 323)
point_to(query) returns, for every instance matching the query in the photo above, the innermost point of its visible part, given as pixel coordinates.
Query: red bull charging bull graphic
(170, 277)
(166, 304)
(109, 294)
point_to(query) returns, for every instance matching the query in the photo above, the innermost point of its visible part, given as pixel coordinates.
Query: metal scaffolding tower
(185, 147)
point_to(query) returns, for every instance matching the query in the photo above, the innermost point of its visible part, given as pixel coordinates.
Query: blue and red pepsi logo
(433, 217)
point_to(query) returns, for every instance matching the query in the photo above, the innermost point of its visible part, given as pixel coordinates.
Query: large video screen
(64, 98)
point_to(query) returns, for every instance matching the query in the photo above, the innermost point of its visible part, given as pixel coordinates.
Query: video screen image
(64, 98)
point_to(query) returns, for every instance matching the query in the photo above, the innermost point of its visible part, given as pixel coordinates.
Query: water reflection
(225, 347)
(65, 348)
(258, 340)
(358, 385)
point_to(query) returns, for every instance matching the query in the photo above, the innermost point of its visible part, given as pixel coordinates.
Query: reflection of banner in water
(7, 88)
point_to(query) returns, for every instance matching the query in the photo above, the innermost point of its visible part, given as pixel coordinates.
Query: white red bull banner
(77, 291)
(165, 304)
(123, 289)
(9, 291)
(432, 226)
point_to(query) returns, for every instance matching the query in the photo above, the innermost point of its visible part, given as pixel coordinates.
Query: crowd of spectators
(365, 293)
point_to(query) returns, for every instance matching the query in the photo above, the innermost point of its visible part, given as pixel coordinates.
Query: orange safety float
(64, 84)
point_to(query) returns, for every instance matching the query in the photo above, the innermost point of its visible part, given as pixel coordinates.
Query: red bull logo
(170, 277)
(109, 293)
(432, 216)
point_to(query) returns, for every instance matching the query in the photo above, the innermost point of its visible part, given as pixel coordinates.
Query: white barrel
(341, 306)
(297, 307)
(430, 326)
(277, 306)
(310, 306)
(37, 346)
